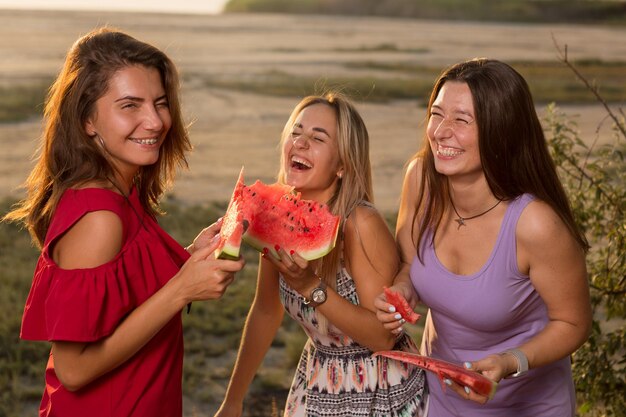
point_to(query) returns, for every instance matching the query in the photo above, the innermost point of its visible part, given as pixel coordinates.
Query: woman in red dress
(110, 284)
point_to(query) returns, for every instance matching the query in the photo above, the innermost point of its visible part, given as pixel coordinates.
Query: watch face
(319, 296)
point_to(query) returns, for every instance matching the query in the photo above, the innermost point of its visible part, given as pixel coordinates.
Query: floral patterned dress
(338, 377)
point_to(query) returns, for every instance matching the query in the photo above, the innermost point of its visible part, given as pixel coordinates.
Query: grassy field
(549, 81)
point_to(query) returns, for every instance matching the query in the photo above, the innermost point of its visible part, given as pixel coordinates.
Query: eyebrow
(456, 111)
(139, 99)
(316, 129)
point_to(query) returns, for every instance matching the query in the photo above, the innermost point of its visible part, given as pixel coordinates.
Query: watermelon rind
(310, 230)
(278, 216)
(232, 225)
(229, 253)
(309, 255)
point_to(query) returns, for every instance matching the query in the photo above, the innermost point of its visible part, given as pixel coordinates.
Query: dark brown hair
(513, 149)
(68, 156)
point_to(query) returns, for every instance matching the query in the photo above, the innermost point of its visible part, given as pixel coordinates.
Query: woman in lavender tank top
(490, 246)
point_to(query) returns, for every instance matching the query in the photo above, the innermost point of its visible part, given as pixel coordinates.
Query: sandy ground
(232, 129)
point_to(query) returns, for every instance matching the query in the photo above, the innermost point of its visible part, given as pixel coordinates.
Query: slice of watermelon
(402, 305)
(232, 231)
(479, 383)
(232, 224)
(275, 215)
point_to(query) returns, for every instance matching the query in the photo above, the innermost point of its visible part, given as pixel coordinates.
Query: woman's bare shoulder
(95, 239)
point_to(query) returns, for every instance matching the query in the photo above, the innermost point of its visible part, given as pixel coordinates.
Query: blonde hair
(355, 185)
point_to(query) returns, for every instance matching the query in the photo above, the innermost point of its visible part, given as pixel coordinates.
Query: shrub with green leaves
(595, 180)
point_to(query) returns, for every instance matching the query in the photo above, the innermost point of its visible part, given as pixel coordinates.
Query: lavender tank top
(472, 316)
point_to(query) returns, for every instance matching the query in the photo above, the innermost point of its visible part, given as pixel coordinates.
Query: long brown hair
(513, 149)
(355, 185)
(68, 156)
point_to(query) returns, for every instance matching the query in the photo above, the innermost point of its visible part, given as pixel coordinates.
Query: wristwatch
(522, 362)
(318, 295)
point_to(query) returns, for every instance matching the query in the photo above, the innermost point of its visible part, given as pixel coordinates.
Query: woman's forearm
(78, 364)
(556, 341)
(357, 322)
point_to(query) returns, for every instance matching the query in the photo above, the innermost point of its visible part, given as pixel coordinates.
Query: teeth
(448, 151)
(300, 161)
(151, 141)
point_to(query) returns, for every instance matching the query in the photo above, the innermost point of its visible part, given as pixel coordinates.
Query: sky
(160, 6)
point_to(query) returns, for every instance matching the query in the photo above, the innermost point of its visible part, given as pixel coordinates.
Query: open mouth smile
(449, 152)
(300, 164)
(148, 141)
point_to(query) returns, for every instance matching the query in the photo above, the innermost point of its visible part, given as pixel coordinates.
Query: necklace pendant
(460, 221)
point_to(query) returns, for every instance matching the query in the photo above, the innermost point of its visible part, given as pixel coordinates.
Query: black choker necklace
(461, 220)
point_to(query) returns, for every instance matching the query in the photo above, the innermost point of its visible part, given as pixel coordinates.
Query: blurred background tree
(595, 180)
(565, 11)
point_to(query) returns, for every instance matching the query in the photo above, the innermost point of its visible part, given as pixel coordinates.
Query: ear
(90, 129)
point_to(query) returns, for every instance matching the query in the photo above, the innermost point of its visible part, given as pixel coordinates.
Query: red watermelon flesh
(402, 305)
(275, 215)
(464, 377)
(232, 225)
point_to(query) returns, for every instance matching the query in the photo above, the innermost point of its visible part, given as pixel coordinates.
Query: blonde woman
(325, 156)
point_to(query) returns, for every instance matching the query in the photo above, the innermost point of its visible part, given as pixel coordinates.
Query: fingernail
(397, 316)
(291, 252)
(467, 390)
(277, 247)
(265, 251)
(468, 365)
(402, 321)
(392, 309)
(447, 381)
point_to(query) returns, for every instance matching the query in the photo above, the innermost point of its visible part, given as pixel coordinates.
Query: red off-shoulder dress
(86, 305)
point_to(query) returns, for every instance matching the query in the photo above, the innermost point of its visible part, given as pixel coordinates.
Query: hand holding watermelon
(401, 305)
(295, 270)
(467, 383)
(393, 307)
(202, 277)
(205, 237)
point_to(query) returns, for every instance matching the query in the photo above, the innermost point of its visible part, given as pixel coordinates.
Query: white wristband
(522, 362)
